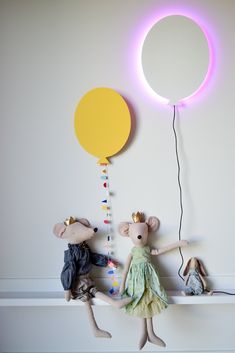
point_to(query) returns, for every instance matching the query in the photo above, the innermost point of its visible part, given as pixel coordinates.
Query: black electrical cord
(221, 291)
(181, 201)
(180, 190)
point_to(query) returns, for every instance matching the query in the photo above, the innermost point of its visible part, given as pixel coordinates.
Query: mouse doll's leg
(152, 336)
(116, 303)
(97, 332)
(144, 333)
(67, 295)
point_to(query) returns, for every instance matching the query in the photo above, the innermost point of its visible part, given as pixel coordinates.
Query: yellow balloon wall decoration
(102, 123)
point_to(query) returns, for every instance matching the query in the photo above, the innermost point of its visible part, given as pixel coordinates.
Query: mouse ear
(123, 229)
(59, 229)
(201, 268)
(153, 223)
(84, 221)
(187, 268)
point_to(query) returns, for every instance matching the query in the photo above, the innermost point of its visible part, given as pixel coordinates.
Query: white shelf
(177, 298)
(33, 299)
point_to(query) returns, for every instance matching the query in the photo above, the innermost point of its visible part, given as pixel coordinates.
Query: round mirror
(175, 58)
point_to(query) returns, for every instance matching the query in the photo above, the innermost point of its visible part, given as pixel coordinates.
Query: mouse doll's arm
(124, 273)
(102, 260)
(178, 244)
(99, 259)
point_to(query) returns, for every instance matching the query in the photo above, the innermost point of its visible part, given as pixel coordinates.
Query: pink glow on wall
(138, 42)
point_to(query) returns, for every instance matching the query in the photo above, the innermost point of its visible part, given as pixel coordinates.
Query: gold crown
(138, 217)
(69, 221)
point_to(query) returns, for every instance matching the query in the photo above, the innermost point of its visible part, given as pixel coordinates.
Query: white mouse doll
(78, 260)
(140, 279)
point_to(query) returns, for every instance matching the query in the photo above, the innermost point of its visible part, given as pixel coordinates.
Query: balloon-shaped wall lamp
(102, 123)
(175, 59)
(175, 64)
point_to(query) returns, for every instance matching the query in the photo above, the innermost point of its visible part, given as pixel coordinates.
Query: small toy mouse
(195, 284)
(141, 279)
(78, 260)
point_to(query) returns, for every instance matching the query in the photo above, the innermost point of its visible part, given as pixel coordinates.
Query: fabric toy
(195, 284)
(78, 260)
(140, 279)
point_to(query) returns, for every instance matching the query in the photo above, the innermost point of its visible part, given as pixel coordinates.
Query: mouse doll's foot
(143, 340)
(144, 334)
(67, 295)
(122, 302)
(102, 333)
(210, 292)
(116, 303)
(156, 340)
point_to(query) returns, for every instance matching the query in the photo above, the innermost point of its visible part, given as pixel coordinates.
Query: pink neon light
(138, 45)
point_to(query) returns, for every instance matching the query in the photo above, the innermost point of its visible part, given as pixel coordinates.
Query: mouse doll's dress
(143, 285)
(194, 285)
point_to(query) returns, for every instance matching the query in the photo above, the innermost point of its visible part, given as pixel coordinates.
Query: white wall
(52, 52)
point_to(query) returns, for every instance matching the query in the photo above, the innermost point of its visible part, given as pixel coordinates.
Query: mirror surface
(175, 58)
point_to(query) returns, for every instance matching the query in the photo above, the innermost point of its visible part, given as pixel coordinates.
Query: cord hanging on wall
(180, 189)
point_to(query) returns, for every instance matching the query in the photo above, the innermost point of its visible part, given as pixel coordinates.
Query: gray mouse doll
(195, 283)
(78, 260)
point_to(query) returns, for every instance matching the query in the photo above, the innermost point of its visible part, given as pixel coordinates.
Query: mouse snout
(95, 230)
(139, 236)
